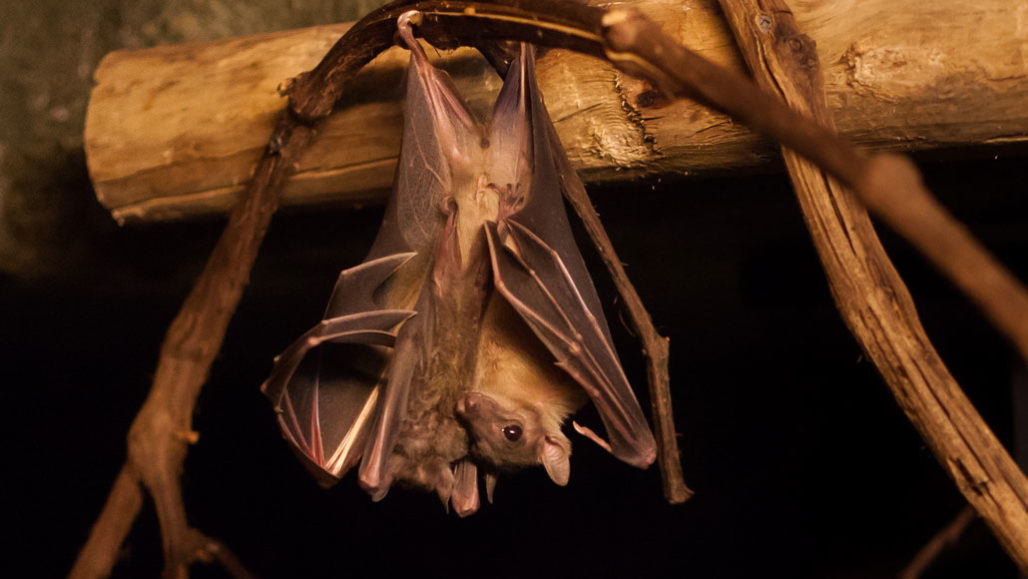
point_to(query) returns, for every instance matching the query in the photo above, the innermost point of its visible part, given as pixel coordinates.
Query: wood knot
(764, 22)
(802, 49)
(967, 480)
(651, 98)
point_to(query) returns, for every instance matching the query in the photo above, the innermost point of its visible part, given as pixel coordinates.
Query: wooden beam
(176, 131)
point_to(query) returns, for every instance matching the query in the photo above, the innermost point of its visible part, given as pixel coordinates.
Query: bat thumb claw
(444, 496)
(591, 435)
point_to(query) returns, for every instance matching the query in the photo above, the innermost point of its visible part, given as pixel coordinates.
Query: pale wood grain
(175, 131)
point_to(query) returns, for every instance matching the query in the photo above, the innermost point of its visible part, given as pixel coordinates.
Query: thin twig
(870, 294)
(945, 538)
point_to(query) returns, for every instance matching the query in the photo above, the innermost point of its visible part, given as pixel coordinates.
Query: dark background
(802, 463)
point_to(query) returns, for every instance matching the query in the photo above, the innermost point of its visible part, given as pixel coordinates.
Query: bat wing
(436, 158)
(438, 135)
(325, 385)
(371, 374)
(521, 120)
(390, 408)
(537, 267)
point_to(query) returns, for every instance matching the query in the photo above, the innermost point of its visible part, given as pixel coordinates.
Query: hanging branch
(870, 294)
(159, 436)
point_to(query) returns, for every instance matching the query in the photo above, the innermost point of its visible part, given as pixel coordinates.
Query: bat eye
(511, 432)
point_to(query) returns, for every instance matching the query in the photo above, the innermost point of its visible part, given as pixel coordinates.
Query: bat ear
(555, 455)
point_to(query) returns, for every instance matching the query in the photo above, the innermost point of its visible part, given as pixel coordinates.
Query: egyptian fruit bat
(472, 330)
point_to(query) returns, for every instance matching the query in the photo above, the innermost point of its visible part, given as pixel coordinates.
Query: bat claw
(410, 18)
(591, 435)
(403, 25)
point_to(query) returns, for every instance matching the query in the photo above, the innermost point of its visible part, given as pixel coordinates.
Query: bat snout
(469, 404)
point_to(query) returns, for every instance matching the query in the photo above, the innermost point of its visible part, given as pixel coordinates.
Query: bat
(456, 351)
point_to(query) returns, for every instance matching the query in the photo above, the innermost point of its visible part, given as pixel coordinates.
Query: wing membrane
(538, 268)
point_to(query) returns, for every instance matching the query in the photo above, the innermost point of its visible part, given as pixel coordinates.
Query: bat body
(472, 330)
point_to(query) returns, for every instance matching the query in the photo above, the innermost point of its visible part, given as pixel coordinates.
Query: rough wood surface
(175, 131)
(870, 294)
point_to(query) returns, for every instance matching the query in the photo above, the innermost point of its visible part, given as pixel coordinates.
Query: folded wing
(537, 267)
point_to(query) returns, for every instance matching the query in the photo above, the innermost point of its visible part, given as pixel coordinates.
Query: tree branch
(890, 185)
(868, 291)
(161, 432)
(98, 556)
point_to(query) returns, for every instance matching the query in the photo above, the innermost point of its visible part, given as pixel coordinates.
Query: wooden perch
(176, 131)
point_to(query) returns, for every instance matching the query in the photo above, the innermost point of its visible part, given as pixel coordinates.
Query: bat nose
(466, 404)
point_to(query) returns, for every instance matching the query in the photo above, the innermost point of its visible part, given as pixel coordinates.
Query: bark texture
(175, 131)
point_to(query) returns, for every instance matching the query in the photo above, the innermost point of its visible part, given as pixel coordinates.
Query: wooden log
(176, 131)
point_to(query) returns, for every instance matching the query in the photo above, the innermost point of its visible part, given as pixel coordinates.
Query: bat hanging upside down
(472, 329)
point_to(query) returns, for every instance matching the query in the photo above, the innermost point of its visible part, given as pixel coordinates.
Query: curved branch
(98, 556)
(159, 437)
(871, 296)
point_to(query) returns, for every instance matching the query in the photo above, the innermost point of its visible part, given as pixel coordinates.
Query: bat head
(511, 435)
